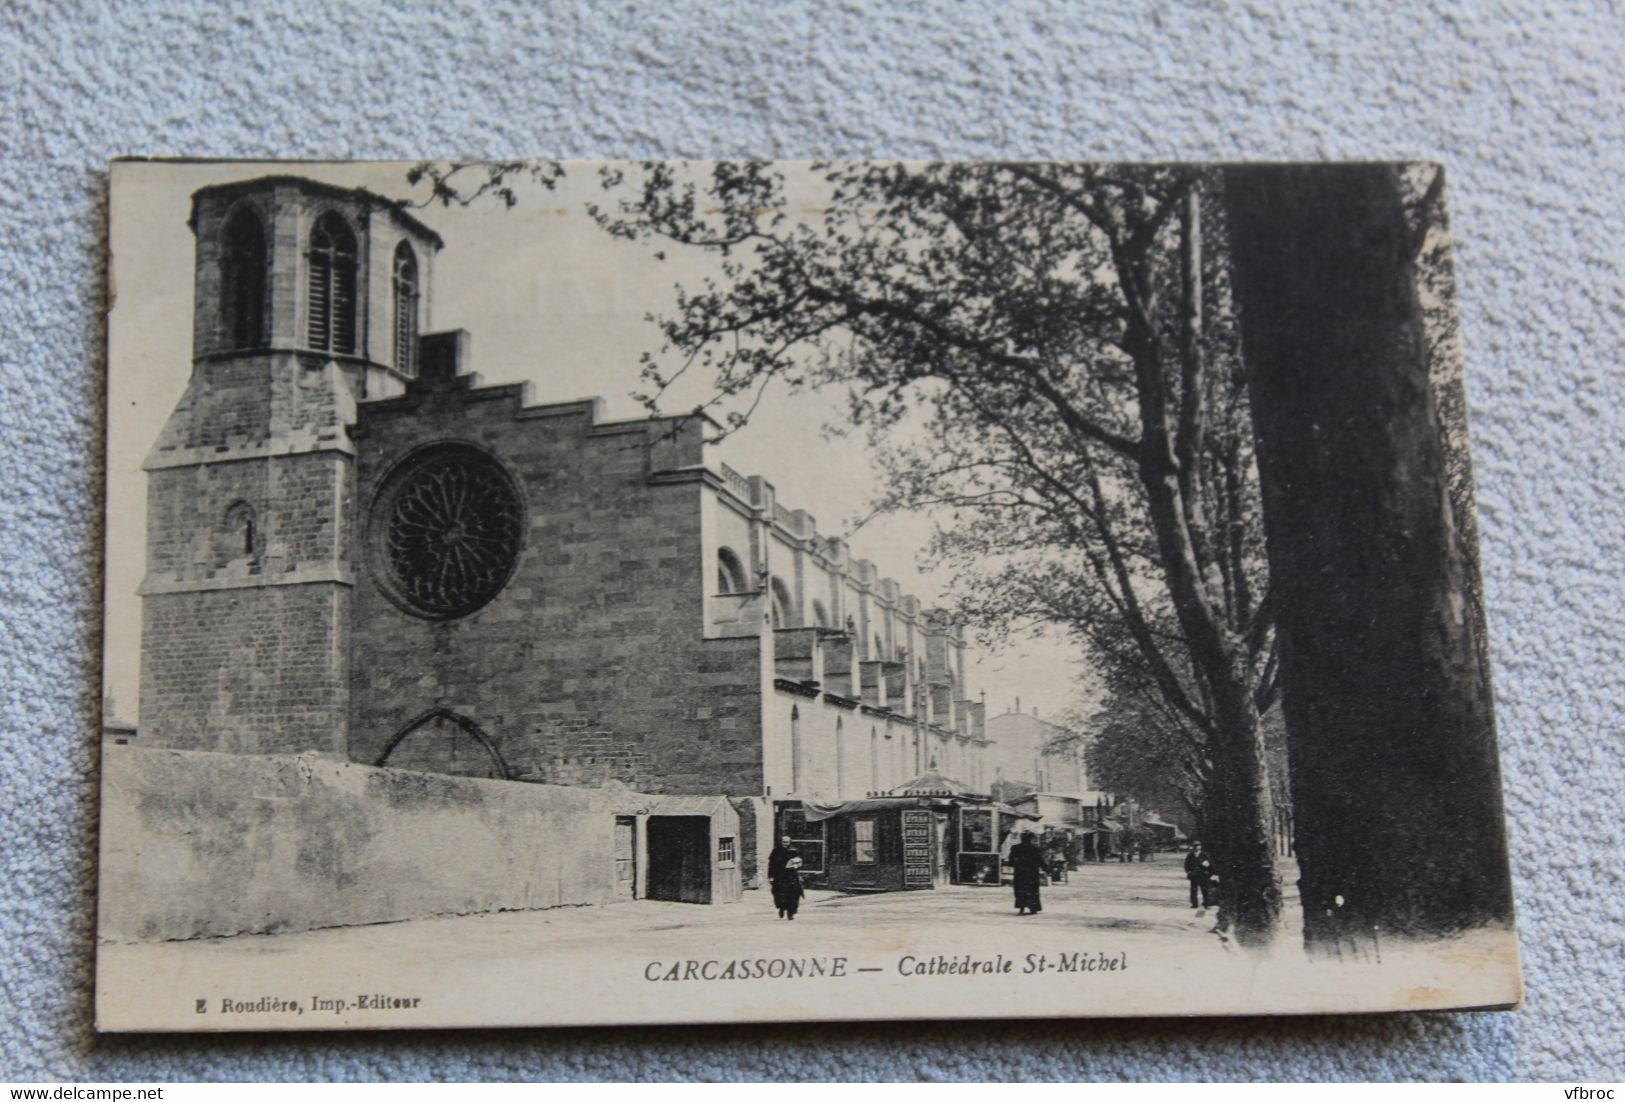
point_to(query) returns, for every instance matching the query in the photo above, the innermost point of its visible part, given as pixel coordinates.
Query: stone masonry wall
(591, 665)
(300, 505)
(247, 647)
(250, 670)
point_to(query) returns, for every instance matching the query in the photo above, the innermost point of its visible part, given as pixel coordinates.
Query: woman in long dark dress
(784, 877)
(1026, 863)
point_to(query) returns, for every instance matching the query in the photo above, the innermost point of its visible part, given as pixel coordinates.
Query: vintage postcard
(552, 593)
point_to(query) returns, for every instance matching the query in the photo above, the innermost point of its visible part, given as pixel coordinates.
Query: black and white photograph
(556, 593)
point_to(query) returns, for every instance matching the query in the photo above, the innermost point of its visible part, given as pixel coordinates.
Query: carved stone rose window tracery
(445, 531)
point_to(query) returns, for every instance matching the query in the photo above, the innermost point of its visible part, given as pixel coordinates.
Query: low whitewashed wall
(200, 844)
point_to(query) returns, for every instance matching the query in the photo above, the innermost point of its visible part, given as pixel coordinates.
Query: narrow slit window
(237, 537)
(406, 310)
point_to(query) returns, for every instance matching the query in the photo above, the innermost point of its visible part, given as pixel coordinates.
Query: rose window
(446, 531)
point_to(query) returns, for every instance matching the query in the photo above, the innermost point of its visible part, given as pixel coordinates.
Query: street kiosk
(923, 834)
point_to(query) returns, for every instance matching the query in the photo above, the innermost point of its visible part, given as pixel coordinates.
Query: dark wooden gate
(679, 855)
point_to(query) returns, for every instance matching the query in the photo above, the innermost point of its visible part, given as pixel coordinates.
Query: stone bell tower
(307, 299)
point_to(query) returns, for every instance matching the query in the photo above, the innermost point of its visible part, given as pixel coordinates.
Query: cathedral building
(355, 548)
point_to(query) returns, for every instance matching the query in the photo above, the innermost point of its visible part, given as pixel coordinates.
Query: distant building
(1028, 754)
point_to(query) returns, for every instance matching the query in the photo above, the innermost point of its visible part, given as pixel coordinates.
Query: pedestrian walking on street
(1026, 864)
(1055, 864)
(1199, 871)
(789, 893)
(784, 877)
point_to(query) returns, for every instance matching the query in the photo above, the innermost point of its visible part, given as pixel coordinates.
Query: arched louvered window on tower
(331, 297)
(242, 281)
(406, 310)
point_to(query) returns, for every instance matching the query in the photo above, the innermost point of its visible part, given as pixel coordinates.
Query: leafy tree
(462, 183)
(1141, 750)
(1063, 338)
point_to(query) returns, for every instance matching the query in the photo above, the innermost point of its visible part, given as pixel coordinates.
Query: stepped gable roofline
(397, 208)
(473, 387)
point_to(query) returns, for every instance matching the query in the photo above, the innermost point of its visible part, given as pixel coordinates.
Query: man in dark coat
(784, 876)
(1199, 871)
(1026, 863)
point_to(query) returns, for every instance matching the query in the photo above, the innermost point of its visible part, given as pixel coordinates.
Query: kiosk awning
(814, 812)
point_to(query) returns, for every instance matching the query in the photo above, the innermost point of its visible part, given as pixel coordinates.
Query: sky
(549, 298)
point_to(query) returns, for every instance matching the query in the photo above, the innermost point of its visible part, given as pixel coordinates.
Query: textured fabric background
(1523, 103)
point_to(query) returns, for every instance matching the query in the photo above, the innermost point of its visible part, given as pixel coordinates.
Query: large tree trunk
(1169, 469)
(1249, 886)
(1391, 744)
